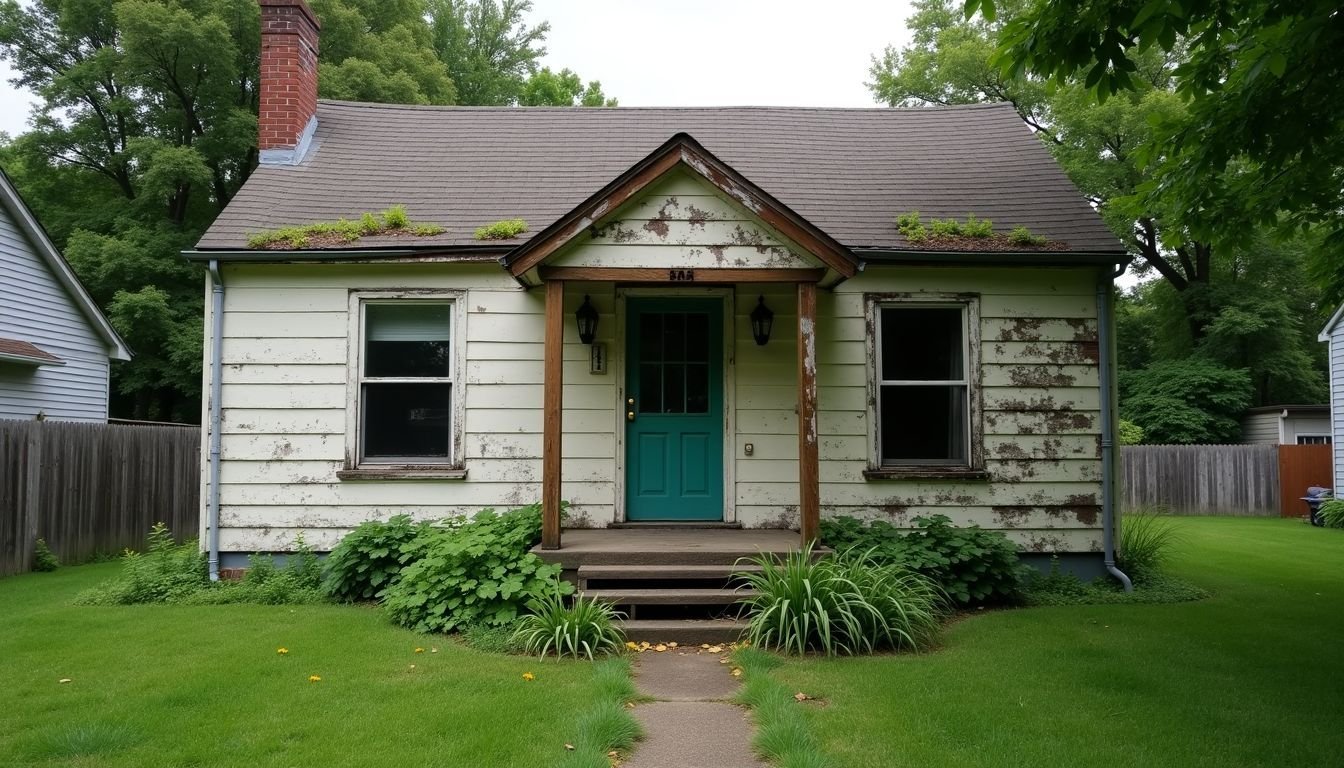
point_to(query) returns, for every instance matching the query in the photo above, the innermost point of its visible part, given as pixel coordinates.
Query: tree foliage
(1262, 82)
(1194, 400)
(562, 89)
(146, 127)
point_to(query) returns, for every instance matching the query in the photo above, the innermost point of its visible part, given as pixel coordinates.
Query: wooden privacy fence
(91, 488)
(1268, 480)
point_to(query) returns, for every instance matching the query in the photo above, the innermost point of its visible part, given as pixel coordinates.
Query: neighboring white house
(1287, 425)
(55, 343)
(1333, 334)
(712, 317)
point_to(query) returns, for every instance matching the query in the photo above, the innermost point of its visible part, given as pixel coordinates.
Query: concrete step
(669, 596)
(675, 526)
(690, 632)
(669, 571)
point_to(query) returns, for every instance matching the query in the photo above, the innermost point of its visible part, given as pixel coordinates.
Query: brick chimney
(288, 113)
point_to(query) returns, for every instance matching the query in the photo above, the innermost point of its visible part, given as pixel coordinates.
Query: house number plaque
(681, 275)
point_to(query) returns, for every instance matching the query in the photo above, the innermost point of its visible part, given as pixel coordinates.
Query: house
(1333, 334)
(1287, 425)
(711, 319)
(55, 344)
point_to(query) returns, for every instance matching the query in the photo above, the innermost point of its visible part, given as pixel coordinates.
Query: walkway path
(690, 723)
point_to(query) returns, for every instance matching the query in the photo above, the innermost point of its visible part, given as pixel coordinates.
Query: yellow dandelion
(282, 651)
(314, 679)
(529, 677)
(632, 646)
(737, 672)
(419, 650)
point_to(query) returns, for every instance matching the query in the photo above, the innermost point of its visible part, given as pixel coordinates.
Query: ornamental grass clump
(582, 628)
(1332, 513)
(1146, 539)
(844, 604)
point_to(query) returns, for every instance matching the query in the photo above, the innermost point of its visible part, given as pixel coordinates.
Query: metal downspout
(1106, 345)
(216, 376)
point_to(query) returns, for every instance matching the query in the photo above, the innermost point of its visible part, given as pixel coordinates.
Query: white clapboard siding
(286, 397)
(35, 307)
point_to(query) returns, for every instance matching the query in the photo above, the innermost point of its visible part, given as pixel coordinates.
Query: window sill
(925, 473)
(402, 473)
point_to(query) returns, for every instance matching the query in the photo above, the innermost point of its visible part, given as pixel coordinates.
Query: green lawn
(204, 686)
(1253, 676)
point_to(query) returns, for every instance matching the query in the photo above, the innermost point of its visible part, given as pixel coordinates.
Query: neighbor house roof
(16, 351)
(46, 250)
(847, 172)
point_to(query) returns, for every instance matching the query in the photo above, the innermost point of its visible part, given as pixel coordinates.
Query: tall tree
(1263, 81)
(488, 47)
(562, 89)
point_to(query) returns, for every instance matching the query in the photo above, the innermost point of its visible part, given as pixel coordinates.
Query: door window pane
(650, 388)
(651, 337)
(412, 421)
(697, 338)
(674, 388)
(922, 344)
(697, 388)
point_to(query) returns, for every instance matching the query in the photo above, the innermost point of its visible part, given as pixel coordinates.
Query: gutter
(1106, 362)
(458, 253)
(216, 386)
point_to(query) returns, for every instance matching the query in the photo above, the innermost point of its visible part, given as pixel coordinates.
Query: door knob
(630, 402)
(629, 415)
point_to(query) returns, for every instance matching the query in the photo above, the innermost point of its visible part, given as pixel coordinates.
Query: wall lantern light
(587, 319)
(761, 321)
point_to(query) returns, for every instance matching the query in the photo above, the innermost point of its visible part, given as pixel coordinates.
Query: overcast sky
(694, 52)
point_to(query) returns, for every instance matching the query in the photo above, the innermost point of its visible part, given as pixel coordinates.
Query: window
(1313, 439)
(406, 378)
(924, 408)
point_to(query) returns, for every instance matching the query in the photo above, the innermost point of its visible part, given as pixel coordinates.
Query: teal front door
(674, 409)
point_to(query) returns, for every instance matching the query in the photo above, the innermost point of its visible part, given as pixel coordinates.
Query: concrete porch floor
(661, 546)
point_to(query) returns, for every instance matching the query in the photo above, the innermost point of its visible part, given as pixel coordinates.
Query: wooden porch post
(809, 489)
(552, 405)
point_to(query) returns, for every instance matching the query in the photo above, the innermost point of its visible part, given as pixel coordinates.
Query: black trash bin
(1316, 496)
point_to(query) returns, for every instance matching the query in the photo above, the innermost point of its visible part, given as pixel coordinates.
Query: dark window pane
(408, 421)
(922, 344)
(408, 358)
(923, 425)
(408, 339)
(674, 336)
(697, 388)
(651, 336)
(697, 338)
(650, 388)
(674, 388)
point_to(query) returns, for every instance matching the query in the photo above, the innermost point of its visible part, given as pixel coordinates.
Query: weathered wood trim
(809, 485)
(669, 276)
(402, 473)
(925, 473)
(975, 385)
(681, 149)
(552, 418)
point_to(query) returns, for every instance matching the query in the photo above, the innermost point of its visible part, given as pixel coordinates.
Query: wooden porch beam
(553, 408)
(683, 276)
(809, 486)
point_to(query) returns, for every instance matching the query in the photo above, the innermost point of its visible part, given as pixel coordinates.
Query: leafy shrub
(972, 565)
(1146, 539)
(1332, 513)
(582, 628)
(165, 572)
(502, 230)
(977, 227)
(370, 558)
(844, 604)
(478, 573)
(944, 228)
(44, 560)
(1152, 587)
(396, 218)
(1129, 433)
(1023, 236)
(909, 225)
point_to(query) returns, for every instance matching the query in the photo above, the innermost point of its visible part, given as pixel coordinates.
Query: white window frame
(969, 304)
(417, 467)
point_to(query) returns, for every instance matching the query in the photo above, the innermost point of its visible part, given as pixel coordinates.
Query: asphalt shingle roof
(850, 172)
